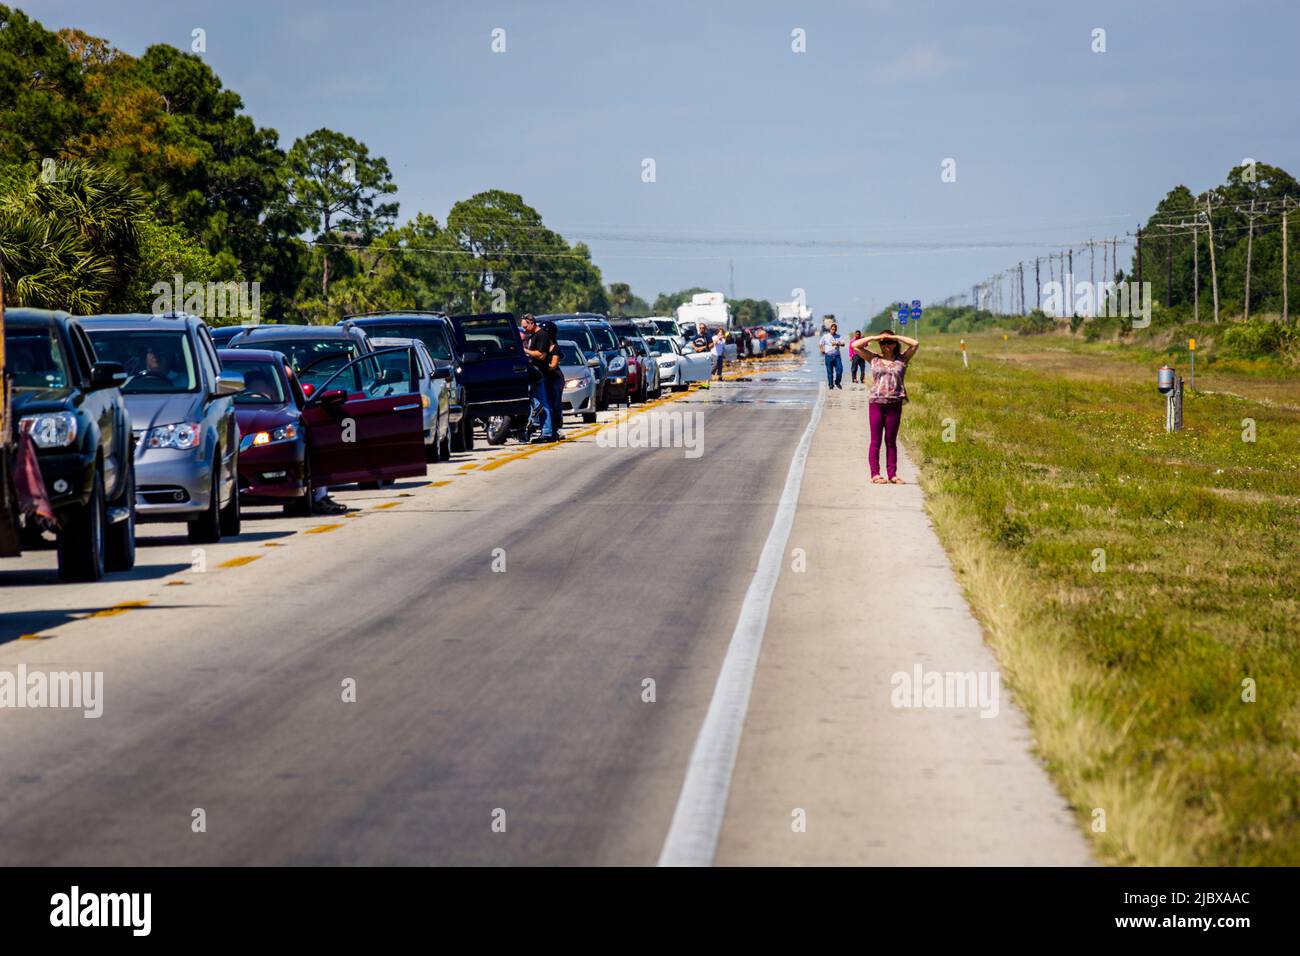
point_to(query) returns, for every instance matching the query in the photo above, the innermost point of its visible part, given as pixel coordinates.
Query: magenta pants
(884, 421)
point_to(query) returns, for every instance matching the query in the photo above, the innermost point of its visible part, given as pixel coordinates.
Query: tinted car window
(35, 358)
(434, 337)
(492, 336)
(154, 361)
(569, 354)
(604, 337)
(262, 384)
(315, 360)
(581, 335)
(661, 346)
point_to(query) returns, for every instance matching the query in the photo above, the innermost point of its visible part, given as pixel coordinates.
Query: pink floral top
(887, 381)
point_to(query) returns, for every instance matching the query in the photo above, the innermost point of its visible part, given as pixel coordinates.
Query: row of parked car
(160, 418)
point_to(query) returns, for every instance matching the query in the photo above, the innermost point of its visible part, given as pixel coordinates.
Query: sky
(774, 169)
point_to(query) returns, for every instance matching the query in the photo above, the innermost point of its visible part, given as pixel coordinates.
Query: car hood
(263, 418)
(29, 401)
(150, 411)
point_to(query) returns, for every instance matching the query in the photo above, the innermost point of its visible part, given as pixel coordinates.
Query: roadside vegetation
(1133, 676)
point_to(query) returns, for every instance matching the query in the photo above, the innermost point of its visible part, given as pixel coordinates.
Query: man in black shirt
(544, 356)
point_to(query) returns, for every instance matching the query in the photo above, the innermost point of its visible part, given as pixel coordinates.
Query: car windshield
(661, 346)
(569, 354)
(315, 360)
(665, 326)
(433, 336)
(492, 337)
(262, 384)
(35, 358)
(604, 337)
(154, 361)
(580, 335)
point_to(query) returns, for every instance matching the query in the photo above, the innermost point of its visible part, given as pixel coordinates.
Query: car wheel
(602, 402)
(206, 528)
(498, 429)
(446, 445)
(467, 441)
(230, 519)
(81, 542)
(433, 452)
(119, 547)
(589, 417)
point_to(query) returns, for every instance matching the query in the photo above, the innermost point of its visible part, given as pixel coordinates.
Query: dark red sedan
(369, 429)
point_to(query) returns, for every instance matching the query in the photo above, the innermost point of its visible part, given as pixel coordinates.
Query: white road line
(693, 836)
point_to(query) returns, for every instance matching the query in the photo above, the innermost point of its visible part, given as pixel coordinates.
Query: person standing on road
(887, 397)
(719, 352)
(538, 348)
(831, 343)
(857, 366)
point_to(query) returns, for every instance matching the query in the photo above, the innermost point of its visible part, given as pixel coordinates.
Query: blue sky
(818, 170)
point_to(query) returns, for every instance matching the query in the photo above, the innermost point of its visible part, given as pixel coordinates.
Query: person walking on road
(831, 343)
(719, 352)
(887, 397)
(857, 366)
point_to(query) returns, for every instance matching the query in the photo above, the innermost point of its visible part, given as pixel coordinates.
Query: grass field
(1134, 584)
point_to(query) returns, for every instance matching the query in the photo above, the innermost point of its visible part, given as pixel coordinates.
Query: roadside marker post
(1170, 384)
(1191, 347)
(965, 363)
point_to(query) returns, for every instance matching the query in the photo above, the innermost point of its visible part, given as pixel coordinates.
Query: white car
(677, 367)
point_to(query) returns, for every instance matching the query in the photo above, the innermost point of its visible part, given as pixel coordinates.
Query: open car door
(366, 422)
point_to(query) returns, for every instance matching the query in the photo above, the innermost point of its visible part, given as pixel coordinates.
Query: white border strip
(697, 822)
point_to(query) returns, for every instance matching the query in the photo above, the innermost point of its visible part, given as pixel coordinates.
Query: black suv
(71, 407)
(437, 333)
(494, 370)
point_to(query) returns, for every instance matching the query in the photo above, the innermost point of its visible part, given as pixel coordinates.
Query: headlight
(183, 436)
(55, 430)
(617, 364)
(283, 433)
(667, 362)
(574, 382)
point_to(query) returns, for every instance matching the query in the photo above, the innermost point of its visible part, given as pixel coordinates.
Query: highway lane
(477, 691)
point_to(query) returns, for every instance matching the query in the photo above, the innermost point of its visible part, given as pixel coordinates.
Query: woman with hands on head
(887, 397)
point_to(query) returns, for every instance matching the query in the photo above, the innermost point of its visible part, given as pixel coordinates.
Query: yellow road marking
(240, 561)
(33, 637)
(172, 584)
(469, 467)
(322, 528)
(387, 504)
(119, 608)
(438, 484)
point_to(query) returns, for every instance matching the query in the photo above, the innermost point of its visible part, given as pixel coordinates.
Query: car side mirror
(593, 362)
(471, 355)
(332, 396)
(229, 383)
(442, 371)
(107, 375)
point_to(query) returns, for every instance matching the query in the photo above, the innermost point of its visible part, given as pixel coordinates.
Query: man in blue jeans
(831, 343)
(540, 348)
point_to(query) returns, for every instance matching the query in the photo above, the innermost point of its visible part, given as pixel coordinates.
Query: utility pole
(1070, 292)
(1038, 286)
(1214, 274)
(1250, 241)
(1286, 311)
(1169, 266)
(1196, 273)
(1022, 277)
(1138, 255)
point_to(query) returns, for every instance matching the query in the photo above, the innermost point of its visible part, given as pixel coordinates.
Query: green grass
(1132, 677)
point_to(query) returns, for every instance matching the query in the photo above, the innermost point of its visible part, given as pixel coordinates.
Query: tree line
(117, 172)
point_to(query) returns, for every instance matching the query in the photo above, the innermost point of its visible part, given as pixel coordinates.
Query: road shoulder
(830, 771)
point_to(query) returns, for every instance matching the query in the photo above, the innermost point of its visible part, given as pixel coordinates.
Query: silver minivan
(182, 419)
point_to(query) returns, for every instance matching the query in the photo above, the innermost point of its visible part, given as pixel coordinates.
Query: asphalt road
(482, 696)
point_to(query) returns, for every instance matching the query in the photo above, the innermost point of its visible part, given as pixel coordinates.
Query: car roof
(251, 355)
(140, 320)
(297, 332)
(411, 318)
(34, 316)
